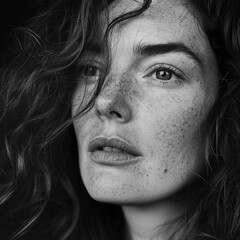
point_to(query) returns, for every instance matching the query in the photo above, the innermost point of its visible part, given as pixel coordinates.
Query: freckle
(165, 170)
(135, 93)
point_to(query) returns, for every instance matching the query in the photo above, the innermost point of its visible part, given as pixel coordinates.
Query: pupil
(90, 71)
(164, 75)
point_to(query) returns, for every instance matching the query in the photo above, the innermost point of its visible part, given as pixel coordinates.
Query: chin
(124, 201)
(124, 197)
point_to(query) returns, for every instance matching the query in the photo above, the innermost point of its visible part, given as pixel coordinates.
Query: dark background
(14, 13)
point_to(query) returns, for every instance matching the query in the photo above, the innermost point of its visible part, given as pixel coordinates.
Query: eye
(163, 74)
(91, 71)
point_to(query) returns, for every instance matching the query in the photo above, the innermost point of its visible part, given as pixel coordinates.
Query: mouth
(112, 151)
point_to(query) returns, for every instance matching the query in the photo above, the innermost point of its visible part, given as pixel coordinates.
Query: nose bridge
(117, 83)
(116, 87)
(113, 101)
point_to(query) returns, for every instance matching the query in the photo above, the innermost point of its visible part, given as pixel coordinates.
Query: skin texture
(162, 119)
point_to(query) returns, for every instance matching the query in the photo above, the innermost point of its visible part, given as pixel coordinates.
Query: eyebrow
(156, 49)
(93, 48)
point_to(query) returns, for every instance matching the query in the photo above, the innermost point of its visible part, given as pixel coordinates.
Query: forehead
(119, 7)
(162, 14)
(162, 8)
(164, 21)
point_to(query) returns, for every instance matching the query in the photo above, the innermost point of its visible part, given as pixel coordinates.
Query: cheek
(77, 98)
(82, 95)
(80, 99)
(173, 136)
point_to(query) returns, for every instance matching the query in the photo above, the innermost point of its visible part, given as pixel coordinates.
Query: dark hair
(39, 176)
(37, 81)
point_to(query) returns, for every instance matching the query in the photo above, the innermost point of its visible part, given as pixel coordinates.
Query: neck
(147, 222)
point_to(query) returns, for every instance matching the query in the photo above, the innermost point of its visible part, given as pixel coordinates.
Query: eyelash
(168, 68)
(158, 67)
(83, 67)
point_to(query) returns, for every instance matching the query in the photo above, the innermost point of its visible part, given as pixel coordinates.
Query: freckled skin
(164, 122)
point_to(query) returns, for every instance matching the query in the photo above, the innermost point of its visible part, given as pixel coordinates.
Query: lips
(112, 151)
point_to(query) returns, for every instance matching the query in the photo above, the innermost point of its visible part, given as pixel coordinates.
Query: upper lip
(115, 142)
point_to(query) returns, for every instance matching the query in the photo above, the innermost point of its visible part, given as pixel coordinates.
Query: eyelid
(82, 64)
(167, 67)
(85, 62)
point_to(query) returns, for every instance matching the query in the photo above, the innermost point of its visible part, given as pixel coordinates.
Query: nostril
(115, 114)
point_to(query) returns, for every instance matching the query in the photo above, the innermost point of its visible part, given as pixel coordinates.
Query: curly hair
(40, 186)
(37, 80)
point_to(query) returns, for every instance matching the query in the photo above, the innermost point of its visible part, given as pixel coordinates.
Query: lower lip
(113, 158)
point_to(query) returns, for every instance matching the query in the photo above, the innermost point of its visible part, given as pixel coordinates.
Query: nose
(112, 105)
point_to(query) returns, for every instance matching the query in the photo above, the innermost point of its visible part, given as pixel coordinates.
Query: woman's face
(143, 139)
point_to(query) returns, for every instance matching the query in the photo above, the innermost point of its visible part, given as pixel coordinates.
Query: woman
(154, 99)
